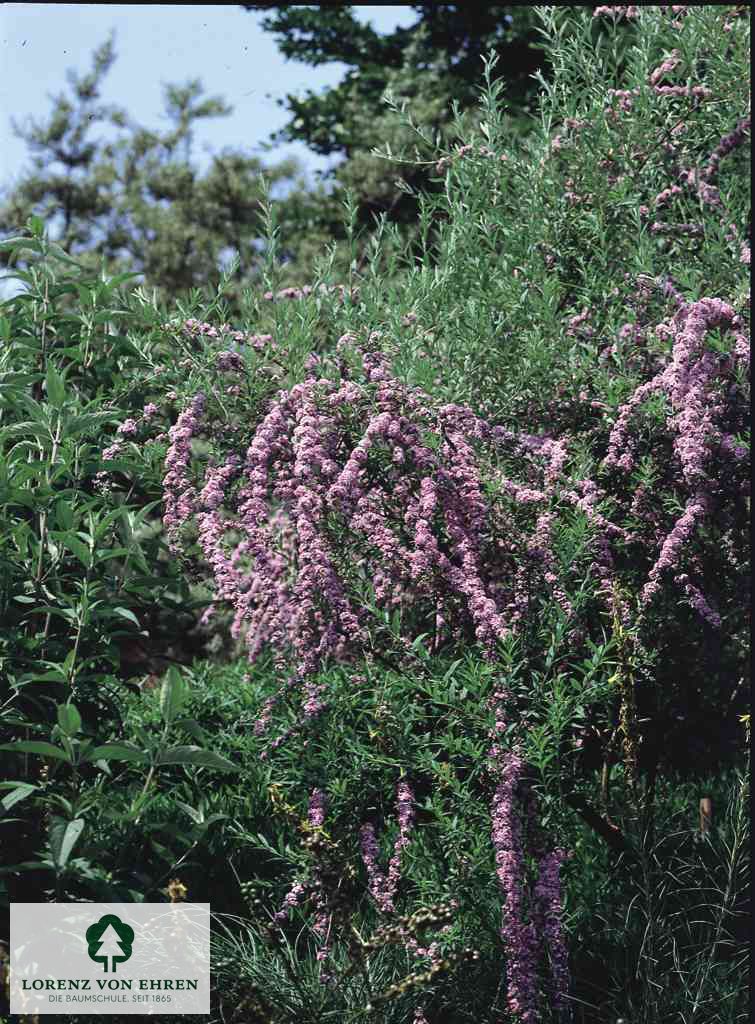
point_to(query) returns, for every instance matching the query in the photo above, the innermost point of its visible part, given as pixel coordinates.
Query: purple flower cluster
(212, 529)
(531, 922)
(306, 290)
(317, 808)
(321, 927)
(702, 181)
(626, 97)
(229, 361)
(548, 901)
(382, 888)
(292, 899)
(575, 324)
(180, 494)
(665, 67)
(362, 476)
(518, 935)
(613, 11)
(193, 328)
(694, 385)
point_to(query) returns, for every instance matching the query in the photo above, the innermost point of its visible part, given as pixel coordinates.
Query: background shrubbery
(435, 556)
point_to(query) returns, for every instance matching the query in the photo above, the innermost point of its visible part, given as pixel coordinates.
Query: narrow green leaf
(196, 815)
(56, 388)
(126, 613)
(116, 752)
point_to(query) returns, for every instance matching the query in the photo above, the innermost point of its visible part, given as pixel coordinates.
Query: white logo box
(109, 958)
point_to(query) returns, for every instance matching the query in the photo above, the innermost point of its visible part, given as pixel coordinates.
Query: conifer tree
(135, 196)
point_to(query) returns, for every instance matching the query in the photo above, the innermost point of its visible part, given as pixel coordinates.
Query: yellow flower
(176, 890)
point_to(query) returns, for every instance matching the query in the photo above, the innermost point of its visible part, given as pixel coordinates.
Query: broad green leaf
(63, 836)
(173, 693)
(72, 542)
(54, 676)
(87, 421)
(64, 514)
(37, 747)
(21, 791)
(69, 719)
(27, 429)
(196, 756)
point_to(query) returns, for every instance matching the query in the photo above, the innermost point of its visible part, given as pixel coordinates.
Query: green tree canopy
(433, 66)
(446, 38)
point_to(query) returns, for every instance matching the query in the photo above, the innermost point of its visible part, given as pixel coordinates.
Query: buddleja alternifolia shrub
(535, 451)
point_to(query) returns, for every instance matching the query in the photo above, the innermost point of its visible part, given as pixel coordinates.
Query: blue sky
(222, 45)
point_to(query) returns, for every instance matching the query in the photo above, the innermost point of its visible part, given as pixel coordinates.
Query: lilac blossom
(667, 65)
(292, 899)
(382, 888)
(519, 936)
(616, 12)
(673, 546)
(128, 428)
(180, 494)
(548, 900)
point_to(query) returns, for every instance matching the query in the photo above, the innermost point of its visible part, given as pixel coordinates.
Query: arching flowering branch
(383, 889)
(407, 488)
(693, 383)
(180, 494)
(358, 495)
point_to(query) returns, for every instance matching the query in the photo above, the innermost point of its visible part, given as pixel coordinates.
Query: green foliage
(84, 576)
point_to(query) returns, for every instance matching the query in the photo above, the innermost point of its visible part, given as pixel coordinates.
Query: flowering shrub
(483, 531)
(457, 476)
(547, 438)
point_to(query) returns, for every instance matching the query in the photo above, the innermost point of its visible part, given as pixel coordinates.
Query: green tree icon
(109, 939)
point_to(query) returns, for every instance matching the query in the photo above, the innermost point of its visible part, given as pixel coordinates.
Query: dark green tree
(432, 65)
(446, 38)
